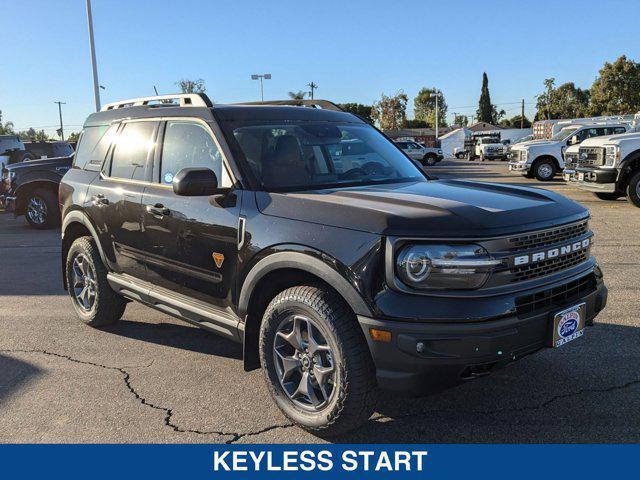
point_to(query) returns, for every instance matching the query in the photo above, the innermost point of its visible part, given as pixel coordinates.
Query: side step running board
(220, 323)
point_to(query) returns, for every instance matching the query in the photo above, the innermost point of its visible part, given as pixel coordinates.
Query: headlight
(611, 155)
(437, 266)
(525, 155)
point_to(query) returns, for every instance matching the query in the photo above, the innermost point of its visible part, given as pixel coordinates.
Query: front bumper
(595, 180)
(8, 203)
(455, 351)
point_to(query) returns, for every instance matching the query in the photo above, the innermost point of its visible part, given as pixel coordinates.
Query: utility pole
(60, 113)
(94, 66)
(312, 86)
(437, 94)
(522, 115)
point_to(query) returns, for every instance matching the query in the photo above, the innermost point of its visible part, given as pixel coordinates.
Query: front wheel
(544, 170)
(316, 362)
(609, 196)
(42, 209)
(633, 189)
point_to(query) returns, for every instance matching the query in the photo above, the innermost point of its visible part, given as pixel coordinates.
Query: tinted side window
(93, 147)
(131, 151)
(188, 145)
(618, 130)
(62, 150)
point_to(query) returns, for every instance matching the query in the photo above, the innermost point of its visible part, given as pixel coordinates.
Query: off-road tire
(50, 200)
(608, 196)
(109, 306)
(540, 164)
(353, 401)
(633, 189)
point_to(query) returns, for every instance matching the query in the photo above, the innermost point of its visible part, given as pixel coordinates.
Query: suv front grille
(549, 237)
(591, 157)
(555, 297)
(548, 267)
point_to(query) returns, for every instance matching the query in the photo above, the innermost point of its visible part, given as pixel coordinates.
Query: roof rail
(321, 104)
(176, 99)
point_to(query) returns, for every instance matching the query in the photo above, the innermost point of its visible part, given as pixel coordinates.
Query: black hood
(442, 208)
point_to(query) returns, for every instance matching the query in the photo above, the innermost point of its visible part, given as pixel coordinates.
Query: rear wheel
(41, 209)
(316, 362)
(607, 195)
(92, 297)
(544, 170)
(633, 189)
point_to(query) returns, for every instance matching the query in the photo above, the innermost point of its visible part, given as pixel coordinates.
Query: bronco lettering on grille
(551, 253)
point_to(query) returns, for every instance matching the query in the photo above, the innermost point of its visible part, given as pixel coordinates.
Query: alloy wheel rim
(84, 282)
(304, 363)
(544, 171)
(37, 210)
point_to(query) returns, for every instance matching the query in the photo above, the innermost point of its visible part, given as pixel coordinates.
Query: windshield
(306, 155)
(565, 133)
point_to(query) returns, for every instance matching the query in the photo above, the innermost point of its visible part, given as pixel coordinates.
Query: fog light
(380, 335)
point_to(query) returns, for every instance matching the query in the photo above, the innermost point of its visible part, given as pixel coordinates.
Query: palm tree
(299, 95)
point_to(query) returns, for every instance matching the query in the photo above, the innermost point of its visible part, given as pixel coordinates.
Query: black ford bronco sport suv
(340, 274)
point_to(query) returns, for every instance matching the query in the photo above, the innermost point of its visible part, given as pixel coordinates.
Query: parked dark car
(339, 273)
(31, 189)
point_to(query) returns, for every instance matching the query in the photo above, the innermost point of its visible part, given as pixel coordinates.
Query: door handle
(99, 200)
(158, 210)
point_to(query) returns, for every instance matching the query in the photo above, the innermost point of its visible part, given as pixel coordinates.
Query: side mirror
(195, 182)
(574, 140)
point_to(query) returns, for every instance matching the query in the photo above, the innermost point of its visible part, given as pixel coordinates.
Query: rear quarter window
(93, 146)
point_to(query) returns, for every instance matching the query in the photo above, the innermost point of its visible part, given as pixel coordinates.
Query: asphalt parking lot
(151, 378)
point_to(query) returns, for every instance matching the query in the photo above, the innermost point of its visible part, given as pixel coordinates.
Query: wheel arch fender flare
(627, 165)
(78, 217)
(306, 263)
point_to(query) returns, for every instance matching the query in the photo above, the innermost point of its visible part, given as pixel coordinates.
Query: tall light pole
(60, 113)
(437, 94)
(94, 66)
(261, 76)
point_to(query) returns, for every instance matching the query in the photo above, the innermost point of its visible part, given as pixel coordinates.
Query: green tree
(565, 101)
(299, 95)
(191, 86)
(415, 123)
(486, 110)
(359, 109)
(6, 128)
(73, 137)
(514, 122)
(390, 112)
(461, 120)
(616, 90)
(33, 135)
(424, 107)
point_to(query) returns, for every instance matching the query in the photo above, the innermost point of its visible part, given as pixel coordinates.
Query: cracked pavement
(152, 378)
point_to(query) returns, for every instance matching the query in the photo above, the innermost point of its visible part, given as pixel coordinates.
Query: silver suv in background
(427, 156)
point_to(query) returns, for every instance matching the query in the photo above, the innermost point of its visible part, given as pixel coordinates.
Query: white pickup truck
(610, 167)
(543, 159)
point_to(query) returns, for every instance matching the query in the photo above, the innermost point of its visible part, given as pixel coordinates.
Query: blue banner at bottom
(321, 461)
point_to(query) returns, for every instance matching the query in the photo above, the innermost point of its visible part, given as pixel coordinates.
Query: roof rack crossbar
(181, 99)
(321, 104)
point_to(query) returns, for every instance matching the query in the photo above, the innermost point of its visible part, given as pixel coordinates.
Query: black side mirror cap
(195, 182)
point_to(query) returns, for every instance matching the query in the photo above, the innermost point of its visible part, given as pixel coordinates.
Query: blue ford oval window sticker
(168, 177)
